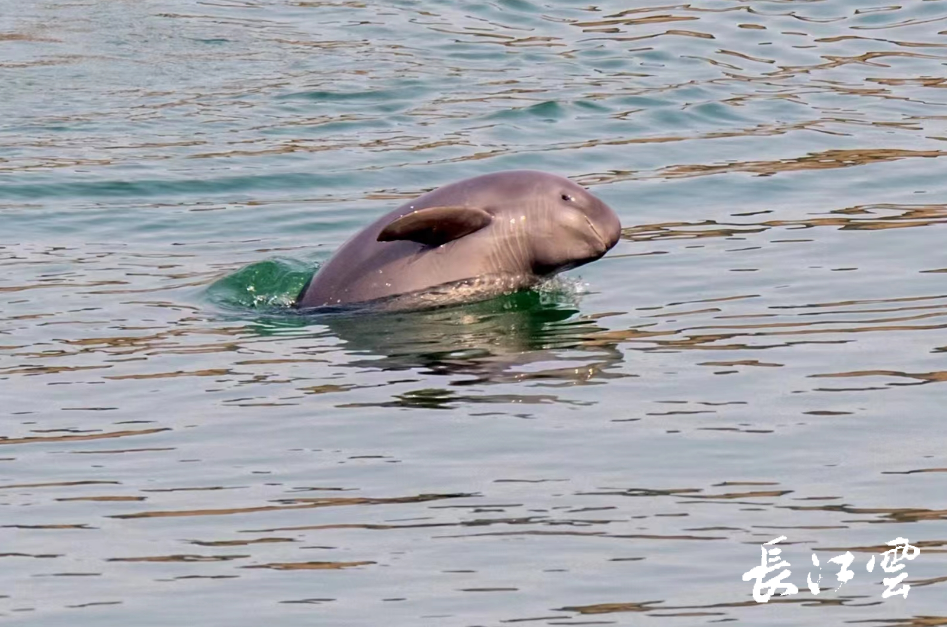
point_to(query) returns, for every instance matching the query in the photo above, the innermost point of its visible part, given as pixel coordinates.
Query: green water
(762, 355)
(272, 285)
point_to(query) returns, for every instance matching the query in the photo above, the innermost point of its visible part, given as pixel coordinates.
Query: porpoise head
(566, 226)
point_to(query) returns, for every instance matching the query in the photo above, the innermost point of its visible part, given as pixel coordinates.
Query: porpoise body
(483, 236)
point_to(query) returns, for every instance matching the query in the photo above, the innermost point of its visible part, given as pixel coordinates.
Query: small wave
(271, 285)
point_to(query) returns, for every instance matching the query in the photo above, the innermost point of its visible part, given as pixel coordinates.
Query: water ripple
(760, 356)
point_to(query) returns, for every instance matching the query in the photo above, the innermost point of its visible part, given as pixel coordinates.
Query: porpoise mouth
(601, 246)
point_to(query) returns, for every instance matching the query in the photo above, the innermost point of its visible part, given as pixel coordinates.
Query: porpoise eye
(567, 198)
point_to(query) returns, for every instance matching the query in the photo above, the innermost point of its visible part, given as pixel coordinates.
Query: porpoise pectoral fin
(434, 226)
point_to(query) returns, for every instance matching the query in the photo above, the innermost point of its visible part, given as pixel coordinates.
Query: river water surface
(763, 355)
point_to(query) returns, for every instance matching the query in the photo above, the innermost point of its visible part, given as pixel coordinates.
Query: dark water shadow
(527, 335)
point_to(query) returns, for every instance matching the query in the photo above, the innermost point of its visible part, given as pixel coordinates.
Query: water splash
(272, 284)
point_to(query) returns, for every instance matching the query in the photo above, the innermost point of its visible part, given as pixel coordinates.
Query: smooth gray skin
(536, 224)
